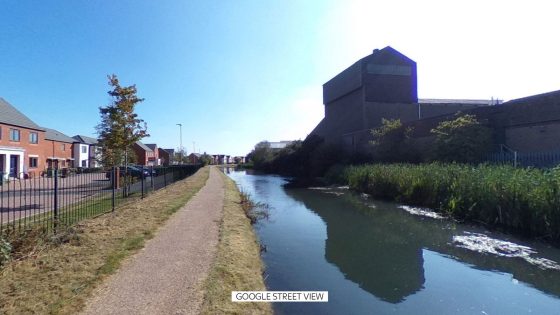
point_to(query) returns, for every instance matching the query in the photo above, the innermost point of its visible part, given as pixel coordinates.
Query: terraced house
(22, 144)
(27, 150)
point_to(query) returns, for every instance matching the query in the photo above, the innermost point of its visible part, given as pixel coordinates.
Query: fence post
(152, 177)
(142, 177)
(55, 198)
(165, 177)
(514, 158)
(113, 184)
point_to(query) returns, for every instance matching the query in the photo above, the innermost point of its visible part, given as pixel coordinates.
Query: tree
(462, 139)
(205, 159)
(120, 126)
(261, 154)
(391, 141)
(181, 156)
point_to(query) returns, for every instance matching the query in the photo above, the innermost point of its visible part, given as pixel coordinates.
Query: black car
(130, 170)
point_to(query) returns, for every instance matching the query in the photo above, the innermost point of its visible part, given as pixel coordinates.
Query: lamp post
(181, 142)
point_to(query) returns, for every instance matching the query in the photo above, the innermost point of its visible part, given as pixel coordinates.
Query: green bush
(525, 200)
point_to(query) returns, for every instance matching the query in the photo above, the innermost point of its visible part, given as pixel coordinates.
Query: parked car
(131, 170)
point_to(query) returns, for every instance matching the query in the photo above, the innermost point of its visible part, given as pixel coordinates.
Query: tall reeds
(524, 200)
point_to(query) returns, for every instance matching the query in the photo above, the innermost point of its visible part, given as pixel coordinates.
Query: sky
(234, 73)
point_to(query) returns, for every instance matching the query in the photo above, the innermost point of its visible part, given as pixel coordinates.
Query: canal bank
(375, 257)
(237, 265)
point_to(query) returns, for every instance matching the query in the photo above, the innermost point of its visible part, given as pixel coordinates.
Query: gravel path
(166, 276)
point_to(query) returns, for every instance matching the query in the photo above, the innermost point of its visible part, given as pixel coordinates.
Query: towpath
(166, 276)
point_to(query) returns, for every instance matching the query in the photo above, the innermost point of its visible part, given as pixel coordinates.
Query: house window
(33, 162)
(84, 149)
(33, 137)
(63, 147)
(14, 135)
(84, 163)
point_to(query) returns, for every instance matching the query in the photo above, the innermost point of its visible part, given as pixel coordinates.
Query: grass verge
(58, 279)
(238, 266)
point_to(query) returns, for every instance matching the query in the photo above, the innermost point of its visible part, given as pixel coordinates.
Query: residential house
(164, 156)
(58, 151)
(22, 143)
(194, 158)
(143, 154)
(172, 158)
(154, 159)
(86, 152)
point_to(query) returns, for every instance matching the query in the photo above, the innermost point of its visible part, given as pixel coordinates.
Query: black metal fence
(60, 198)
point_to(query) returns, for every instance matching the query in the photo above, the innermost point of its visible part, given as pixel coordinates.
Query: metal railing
(545, 159)
(62, 198)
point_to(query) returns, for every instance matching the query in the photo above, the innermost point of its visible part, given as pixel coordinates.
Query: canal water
(378, 257)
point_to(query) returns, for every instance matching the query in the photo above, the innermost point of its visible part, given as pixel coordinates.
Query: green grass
(524, 200)
(58, 278)
(238, 265)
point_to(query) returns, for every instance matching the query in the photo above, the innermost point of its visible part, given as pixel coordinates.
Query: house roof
(143, 146)
(11, 116)
(56, 135)
(152, 146)
(196, 154)
(170, 151)
(85, 139)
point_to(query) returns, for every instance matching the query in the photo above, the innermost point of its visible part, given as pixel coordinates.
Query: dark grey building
(381, 85)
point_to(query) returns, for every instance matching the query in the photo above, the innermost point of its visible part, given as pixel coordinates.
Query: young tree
(462, 139)
(120, 126)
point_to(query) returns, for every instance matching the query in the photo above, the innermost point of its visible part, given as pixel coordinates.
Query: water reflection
(380, 247)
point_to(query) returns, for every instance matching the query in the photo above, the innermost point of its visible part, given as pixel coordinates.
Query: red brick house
(153, 160)
(59, 149)
(144, 155)
(194, 158)
(22, 144)
(164, 156)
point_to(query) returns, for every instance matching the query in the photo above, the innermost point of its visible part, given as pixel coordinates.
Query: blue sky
(238, 72)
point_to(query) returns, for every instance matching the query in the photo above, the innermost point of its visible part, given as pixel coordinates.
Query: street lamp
(181, 141)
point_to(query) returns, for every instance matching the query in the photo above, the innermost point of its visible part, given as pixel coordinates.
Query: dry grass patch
(58, 279)
(238, 265)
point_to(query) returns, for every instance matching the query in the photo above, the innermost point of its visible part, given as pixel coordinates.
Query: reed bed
(524, 200)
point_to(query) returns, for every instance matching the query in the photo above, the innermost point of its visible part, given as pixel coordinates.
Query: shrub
(463, 139)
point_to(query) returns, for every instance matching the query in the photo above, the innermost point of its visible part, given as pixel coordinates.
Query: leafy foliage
(463, 139)
(205, 159)
(261, 154)
(120, 126)
(391, 141)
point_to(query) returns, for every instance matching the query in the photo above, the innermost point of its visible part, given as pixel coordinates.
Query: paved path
(165, 277)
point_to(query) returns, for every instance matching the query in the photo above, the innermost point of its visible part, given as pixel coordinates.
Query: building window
(14, 135)
(84, 149)
(84, 163)
(63, 147)
(33, 162)
(33, 137)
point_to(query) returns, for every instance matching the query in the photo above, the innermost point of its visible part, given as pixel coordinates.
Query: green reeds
(524, 200)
